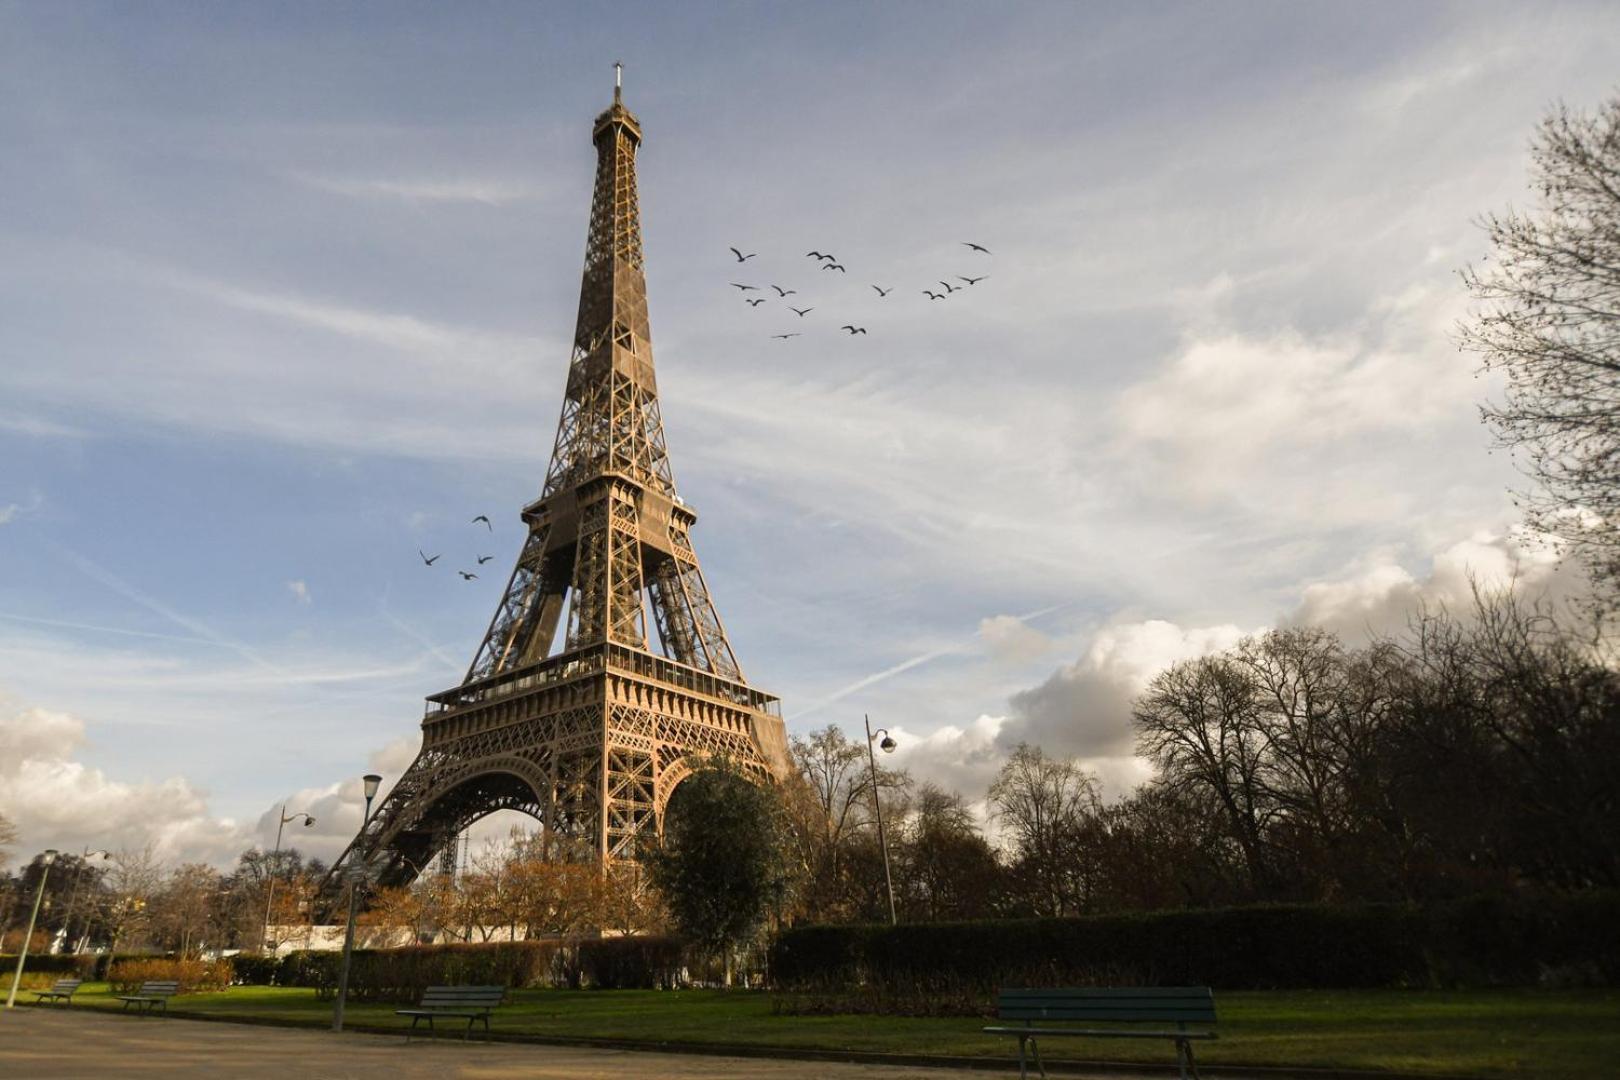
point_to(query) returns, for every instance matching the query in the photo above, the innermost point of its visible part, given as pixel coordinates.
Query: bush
(254, 969)
(956, 968)
(632, 963)
(400, 975)
(194, 976)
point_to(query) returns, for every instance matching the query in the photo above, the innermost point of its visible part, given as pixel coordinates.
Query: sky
(286, 294)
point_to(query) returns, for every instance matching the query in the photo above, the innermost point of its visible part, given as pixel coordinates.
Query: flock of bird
(466, 575)
(826, 262)
(831, 262)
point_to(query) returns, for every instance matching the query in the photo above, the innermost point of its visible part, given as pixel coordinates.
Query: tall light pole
(371, 780)
(888, 745)
(22, 952)
(270, 892)
(73, 897)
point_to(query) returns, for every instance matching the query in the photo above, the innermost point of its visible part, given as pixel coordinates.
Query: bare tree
(1549, 320)
(1043, 803)
(1199, 723)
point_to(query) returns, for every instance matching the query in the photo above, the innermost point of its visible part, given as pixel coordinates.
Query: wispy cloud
(10, 512)
(106, 577)
(479, 190)
(963, 646)
(39, 427)
(300, 591)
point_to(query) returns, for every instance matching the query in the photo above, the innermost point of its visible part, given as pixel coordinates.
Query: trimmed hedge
(959, 966)
(632, 963)
(255, 969)
(46, 964)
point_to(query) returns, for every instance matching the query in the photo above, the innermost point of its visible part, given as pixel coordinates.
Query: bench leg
(1184, 1059)
(1035, 1046)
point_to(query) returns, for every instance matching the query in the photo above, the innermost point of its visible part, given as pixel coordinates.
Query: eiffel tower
(589, 735)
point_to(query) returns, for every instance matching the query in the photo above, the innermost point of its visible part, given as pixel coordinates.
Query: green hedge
(1468, 943)
(400, 975)
(256, 969)
(632, 963)
(46, 964)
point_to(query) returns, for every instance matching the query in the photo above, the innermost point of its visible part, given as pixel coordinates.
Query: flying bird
(976, 247)
(745, 288)
(853, 329)
(933, 295)
(800, 312)
(754, 303)
(741, 257)
(972, 280)
(819, 255)
(949, 288)
(834, 266)
(784, 293)
(784, 337)
(427, 560)
(482, 559)
(485, 520)
(883, 292)
(466, 576)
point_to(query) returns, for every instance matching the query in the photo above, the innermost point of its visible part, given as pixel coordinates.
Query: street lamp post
(22, 952)
(371, 780)
(888, 745)
(73, 897)
(270, 892)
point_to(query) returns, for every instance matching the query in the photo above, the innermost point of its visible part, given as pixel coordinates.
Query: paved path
(78, 1044)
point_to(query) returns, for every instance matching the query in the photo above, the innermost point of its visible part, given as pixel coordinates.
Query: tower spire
(618, 82)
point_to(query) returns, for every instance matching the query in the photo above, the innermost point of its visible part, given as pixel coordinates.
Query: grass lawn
(1518, 1033)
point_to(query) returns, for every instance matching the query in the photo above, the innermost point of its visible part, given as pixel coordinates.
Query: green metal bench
(470, 1002)
(153, 994)
(62, 990)
(1163, 1006)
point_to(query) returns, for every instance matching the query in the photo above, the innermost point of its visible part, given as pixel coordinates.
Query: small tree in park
(723, 867)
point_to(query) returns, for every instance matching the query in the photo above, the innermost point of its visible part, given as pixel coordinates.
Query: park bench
(154, 993)
(1113, 1008)
(470, 1002)
(62, 990)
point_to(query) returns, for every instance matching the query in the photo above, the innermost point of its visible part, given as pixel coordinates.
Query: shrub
(194, 976)
(632, 963)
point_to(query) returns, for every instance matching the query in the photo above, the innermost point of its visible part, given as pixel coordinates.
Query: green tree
(723, 867)
(1549, 320)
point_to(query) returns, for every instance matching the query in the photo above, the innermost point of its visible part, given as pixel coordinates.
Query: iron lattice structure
(589, 735)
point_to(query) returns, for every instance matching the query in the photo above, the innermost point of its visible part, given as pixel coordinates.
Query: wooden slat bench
(153, 994)
(62, 990)
(1163, 1006)
(470, 1002)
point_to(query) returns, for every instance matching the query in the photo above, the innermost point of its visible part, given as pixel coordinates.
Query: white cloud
(300, 591)
(1084, 708)
(1380, 596)
(1011, 640)
(57, 801)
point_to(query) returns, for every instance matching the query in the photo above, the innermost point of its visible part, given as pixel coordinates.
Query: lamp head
(372, 781)
(309, 822)
(888, 744)
(48, 856)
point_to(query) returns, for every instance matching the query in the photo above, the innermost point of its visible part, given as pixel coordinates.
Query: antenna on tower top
(618, 79)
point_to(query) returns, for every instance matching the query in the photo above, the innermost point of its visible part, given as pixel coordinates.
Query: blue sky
(285, 294)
